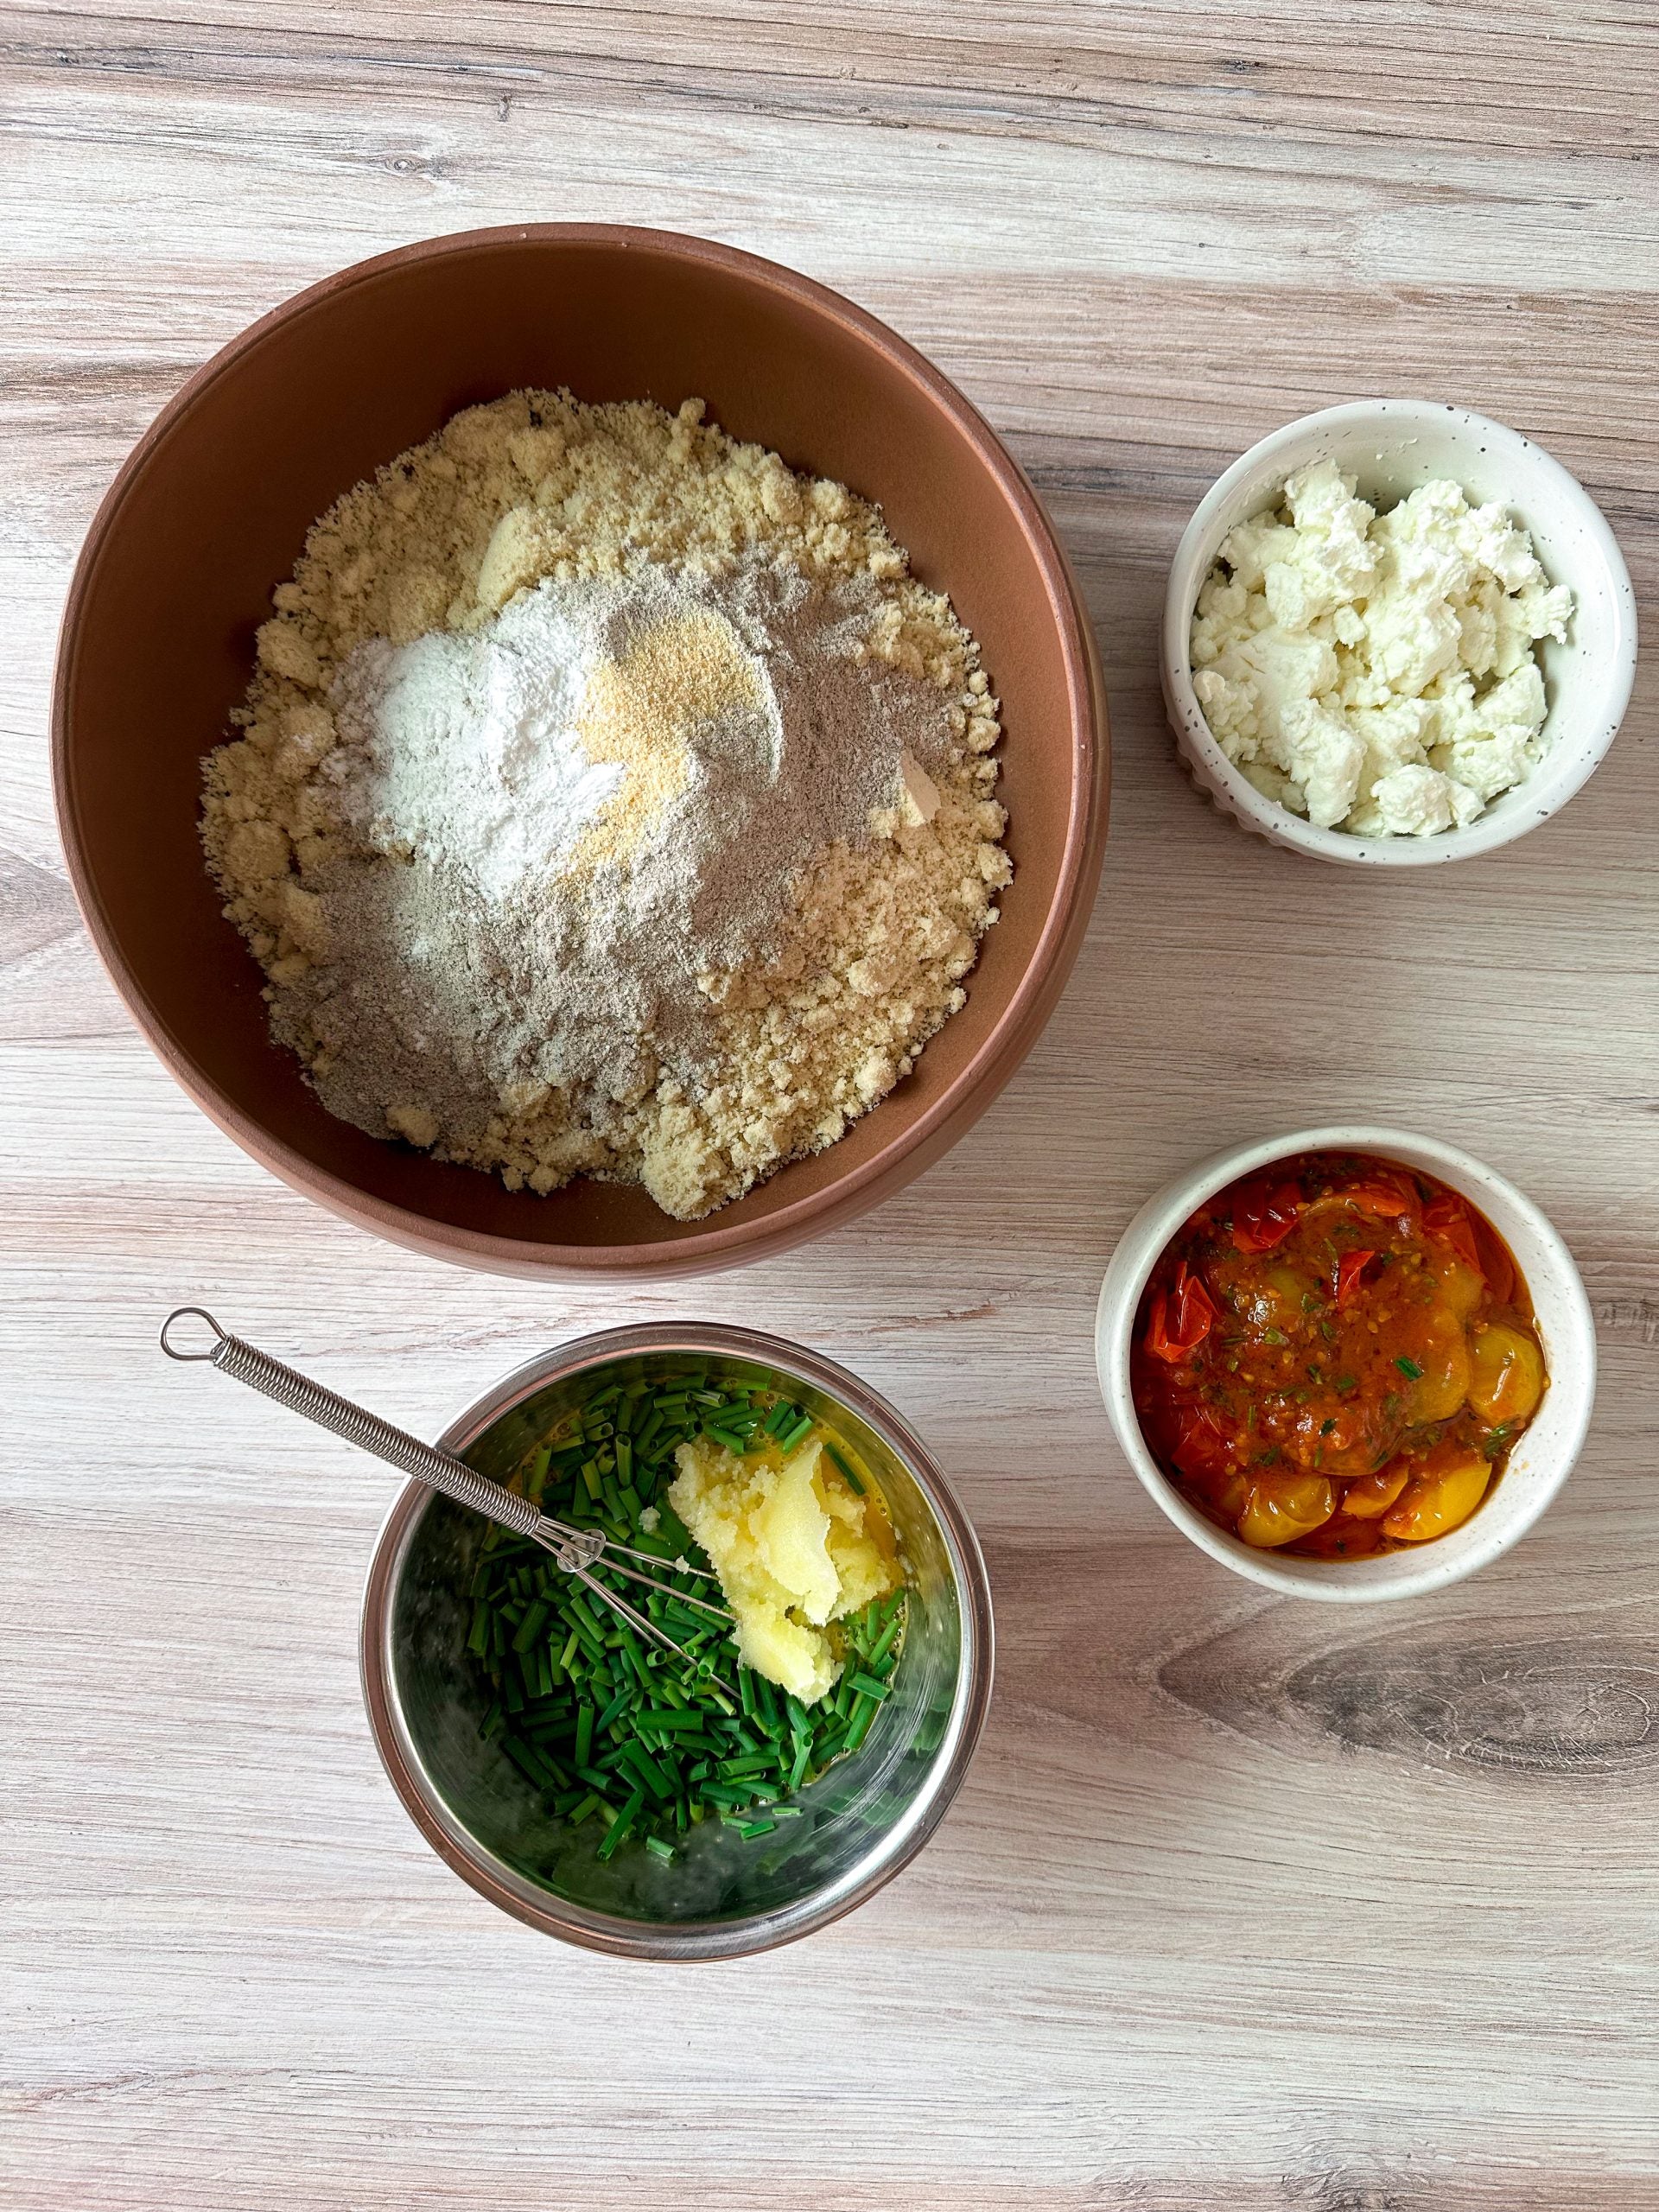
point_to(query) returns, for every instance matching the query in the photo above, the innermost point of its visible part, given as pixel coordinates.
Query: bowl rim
(689, 1941)
(1136, 1253)
(1196, 551)
(1035, 993)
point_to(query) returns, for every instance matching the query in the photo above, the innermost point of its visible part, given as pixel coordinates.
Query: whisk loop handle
(246, 1362)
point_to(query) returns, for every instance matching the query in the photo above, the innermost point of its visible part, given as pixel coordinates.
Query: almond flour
(609, 800)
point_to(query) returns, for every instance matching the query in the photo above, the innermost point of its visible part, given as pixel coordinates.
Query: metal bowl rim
(691, 1940)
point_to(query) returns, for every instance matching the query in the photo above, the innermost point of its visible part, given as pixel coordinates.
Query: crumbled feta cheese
(1377, 673)
(1415, 802)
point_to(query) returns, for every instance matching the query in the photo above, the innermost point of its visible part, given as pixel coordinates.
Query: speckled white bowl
(1542, 1460)
(1391, 446)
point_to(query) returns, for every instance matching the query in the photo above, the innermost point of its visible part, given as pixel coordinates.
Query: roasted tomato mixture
(1335, 1357)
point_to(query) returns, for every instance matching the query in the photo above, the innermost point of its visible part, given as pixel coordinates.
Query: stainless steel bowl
(861, 1821)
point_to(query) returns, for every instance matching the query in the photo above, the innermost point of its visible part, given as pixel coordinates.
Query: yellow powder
(642, 710)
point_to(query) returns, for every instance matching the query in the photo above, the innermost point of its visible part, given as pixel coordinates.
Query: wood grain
(1244, 1905)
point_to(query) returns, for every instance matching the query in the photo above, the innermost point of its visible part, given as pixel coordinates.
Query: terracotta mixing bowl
(210, 512)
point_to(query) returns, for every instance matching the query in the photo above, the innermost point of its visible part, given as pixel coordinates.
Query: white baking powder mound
(463, 749)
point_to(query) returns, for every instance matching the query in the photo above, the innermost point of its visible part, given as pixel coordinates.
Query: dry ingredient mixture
(609, 800)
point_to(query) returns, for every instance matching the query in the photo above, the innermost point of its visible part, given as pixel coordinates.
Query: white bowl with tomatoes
(1450, 1295)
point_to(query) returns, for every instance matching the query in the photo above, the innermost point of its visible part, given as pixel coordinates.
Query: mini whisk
(575, 1551)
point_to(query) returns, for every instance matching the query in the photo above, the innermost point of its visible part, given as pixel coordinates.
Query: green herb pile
(602, 1721)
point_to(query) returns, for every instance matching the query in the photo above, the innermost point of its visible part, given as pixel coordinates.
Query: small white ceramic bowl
(1391, 446)
(1543, 1458)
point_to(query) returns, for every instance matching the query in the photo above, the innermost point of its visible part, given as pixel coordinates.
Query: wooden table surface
(1245, 1904)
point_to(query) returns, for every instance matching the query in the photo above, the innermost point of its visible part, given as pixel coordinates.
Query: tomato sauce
(1334, 1358)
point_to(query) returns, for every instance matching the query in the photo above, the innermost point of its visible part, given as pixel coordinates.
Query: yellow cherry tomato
(1372, 1495)
(1440, 1349)
(1280, 1299)
(1507, 1373)
(1431, 1503)
(1462, 1287)
(1281, 1508)
(1231, 1493)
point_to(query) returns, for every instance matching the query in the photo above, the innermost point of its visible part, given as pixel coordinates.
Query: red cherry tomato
(1178, 1320)
(1264, 1214)
(1202, 1448)
(1447, 1217)
(1385, 1196)
(1351, 1267)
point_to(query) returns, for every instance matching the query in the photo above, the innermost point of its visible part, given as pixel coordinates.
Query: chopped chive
(883, 1643)
(524, 1757)
(669, 1721)
(530, 1626)
(724, 1793)
(649, 1771)
(1409, 1368)
(580, 1610)
(621, 1825)
(846, 1466)
(612, 1709)
(860, 1728)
